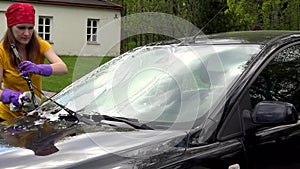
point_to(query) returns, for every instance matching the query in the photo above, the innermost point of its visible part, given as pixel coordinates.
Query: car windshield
(167, 84)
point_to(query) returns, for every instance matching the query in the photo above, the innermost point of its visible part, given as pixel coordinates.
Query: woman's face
(23, 32)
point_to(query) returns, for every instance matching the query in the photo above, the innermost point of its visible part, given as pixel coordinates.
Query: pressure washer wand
(26, 77)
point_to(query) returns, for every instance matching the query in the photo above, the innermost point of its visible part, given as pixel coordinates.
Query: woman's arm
(58, 66)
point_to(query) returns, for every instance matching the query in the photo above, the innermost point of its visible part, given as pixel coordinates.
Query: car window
(280, 79)
(161, 83)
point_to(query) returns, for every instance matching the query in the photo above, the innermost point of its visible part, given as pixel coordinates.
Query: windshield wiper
(95, 119)
(131, 122)
(135, 124)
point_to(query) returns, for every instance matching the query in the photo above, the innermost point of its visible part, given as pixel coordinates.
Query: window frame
(43, 34)
(92, 31)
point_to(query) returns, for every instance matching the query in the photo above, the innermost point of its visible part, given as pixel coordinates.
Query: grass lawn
(77, 66)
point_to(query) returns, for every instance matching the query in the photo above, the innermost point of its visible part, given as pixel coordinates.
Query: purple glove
(16, 98)
(27, 67)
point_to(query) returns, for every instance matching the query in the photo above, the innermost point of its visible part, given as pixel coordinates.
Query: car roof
(253, 37)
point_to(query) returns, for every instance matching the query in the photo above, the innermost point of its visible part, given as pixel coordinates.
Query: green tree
(244, 14)
(270, 14)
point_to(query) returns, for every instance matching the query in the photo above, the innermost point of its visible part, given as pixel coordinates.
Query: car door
(273, 145)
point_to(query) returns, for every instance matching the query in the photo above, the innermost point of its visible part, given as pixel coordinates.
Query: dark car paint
(235, 139)
(265, 148)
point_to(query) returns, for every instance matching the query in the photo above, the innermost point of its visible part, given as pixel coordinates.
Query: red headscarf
(20, 13)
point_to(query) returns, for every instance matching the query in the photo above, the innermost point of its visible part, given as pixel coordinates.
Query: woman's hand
(16, 98)
(27, 67)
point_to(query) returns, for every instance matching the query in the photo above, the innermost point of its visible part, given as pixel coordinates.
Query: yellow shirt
(12, 79)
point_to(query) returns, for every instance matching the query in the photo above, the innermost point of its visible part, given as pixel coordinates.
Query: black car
(228, 100)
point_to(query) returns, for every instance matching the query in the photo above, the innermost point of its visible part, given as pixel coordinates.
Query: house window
(44, 29)
(92, 26)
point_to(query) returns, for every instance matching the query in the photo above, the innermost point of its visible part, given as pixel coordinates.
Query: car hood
(87, 147)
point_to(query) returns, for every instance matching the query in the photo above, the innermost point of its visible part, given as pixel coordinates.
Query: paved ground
(49, 94)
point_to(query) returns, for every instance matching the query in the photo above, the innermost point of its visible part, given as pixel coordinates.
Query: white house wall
(69, 29)
(2, 19)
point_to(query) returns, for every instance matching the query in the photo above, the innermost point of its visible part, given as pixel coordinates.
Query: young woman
(32, 50)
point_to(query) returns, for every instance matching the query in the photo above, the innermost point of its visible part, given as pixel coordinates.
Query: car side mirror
(274, 112)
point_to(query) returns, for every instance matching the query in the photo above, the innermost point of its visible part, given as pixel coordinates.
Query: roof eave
(71, 4)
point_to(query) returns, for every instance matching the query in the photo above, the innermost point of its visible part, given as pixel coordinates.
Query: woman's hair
(32, 48)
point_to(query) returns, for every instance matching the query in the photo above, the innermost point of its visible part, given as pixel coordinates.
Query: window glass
(47, 28)
(47, 20)
(41, 29)
(94, 30)
(280, 80)
(47, 36)
(163, 83)
(41, 21)
(94, 24)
